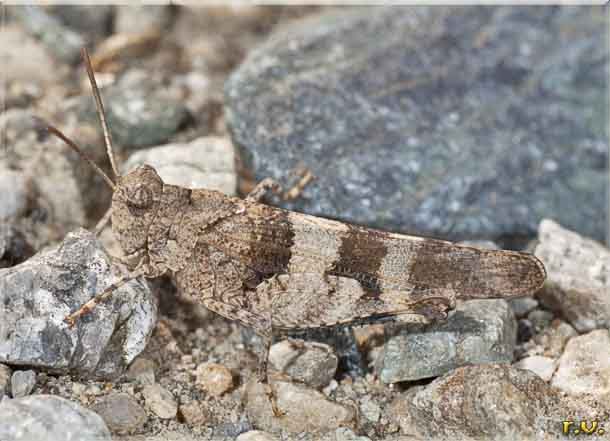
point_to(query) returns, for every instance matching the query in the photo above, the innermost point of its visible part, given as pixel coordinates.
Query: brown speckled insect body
(273, 269)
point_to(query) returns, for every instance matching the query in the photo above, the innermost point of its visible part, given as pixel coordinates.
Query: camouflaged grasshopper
(273, 269)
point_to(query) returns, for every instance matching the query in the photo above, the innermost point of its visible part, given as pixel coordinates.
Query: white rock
(256, 435)
(160, 401)
(36, 296)
(215, 378)
(345, 434)
(305, 409)
(206, 162)
(584, 367)
(544, 367)
(49, 418)
(578, 276)
(22, 383)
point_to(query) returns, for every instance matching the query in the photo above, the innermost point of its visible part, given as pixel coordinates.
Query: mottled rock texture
(454, 122)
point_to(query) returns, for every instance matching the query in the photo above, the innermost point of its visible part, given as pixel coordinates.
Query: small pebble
(14, 193)
(256, 435)
(160, 401)
(306, 409)
(308, 362)
(49, 418)
(121, 413)
(214, 378)
(332, 386)
(370, 409)
(345, 434)
(22, 383)
(540, 318)
(555, 338)
(78, 388)
(142, 370)
(193, 414)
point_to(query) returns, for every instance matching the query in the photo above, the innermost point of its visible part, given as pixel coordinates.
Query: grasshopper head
(134, 207)
(136, 195)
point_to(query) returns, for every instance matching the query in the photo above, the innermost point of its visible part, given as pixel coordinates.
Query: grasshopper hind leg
(263, 376)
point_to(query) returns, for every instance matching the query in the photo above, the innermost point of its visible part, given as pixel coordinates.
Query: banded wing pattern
(375, 272)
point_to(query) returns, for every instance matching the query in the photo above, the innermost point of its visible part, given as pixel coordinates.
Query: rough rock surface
(578, 276)
(584, 367)
(488, 402)
(206, 162)
(311, 363)
(256, 435)
(45, 214)
(36, 296)
(22, 383)
(479, 331)
(160, 401)
(306, 410)
(49, 418)
(454, 122)
(121, 412)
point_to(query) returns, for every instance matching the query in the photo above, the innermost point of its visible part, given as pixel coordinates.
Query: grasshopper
(278, 270)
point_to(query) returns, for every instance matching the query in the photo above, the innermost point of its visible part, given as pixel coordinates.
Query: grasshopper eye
(141, 198)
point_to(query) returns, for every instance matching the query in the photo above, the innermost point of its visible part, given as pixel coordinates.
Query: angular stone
(49, 418)
(306, 410)
(206, 162)
(544, 367)
(491, 402)
(121, 412)
(584, 367)
(160, 401)
(312, 363)
(479, 331)
(22, 383)
(578, 276)
(38, 294)
(452, 122)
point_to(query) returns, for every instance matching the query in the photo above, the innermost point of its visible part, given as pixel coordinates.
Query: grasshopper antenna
(101, 113)
(56, 132)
